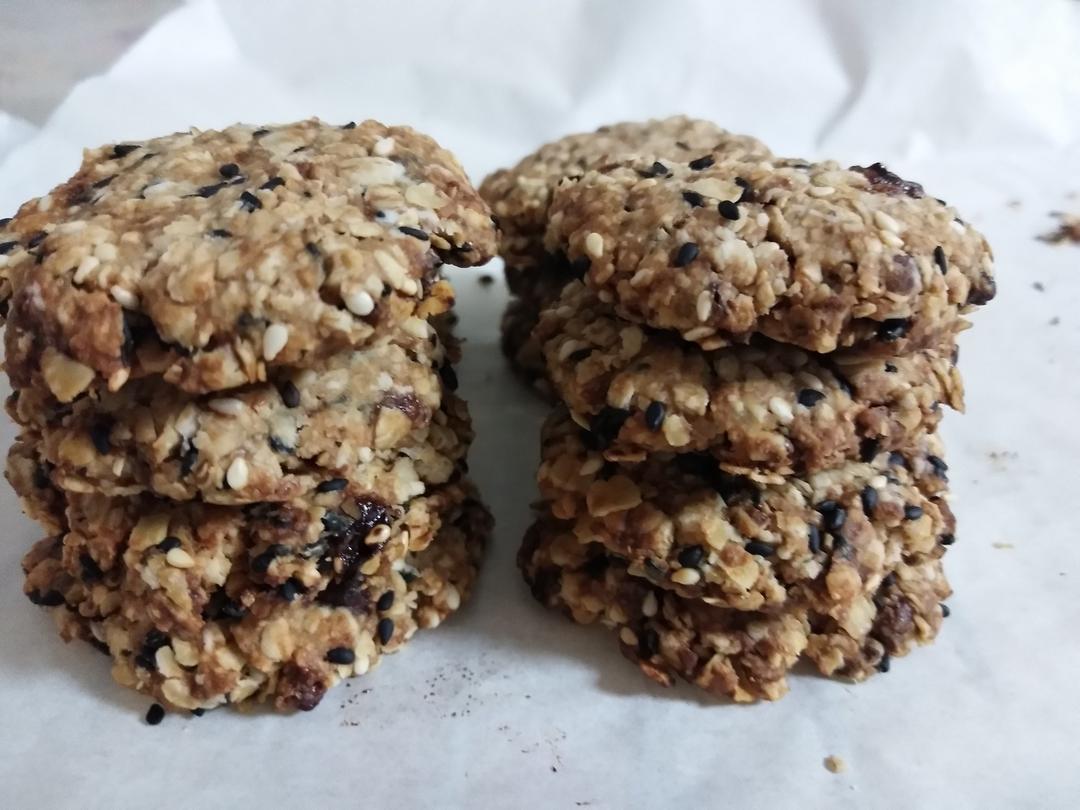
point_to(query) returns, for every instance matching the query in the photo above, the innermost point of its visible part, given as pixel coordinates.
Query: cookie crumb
(1068, 229)
(1038, 286)
(1054, 321)
(1013, 203)
(1003, 545)
(486, 280)
(833, 764)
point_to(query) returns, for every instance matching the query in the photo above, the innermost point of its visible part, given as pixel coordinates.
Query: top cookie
(206, 256)
(815, 255)
(520, 196)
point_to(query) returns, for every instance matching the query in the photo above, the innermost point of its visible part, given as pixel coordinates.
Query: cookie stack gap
(743, 469)
(233, 372)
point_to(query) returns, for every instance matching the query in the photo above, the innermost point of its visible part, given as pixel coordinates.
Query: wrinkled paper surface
(511, 706)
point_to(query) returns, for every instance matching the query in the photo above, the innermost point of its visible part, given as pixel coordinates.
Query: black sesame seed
(5, 221)
(386, 601)
(210, 191)
(884, 663)
(449, 376)
(940, 260)
(686, 254)
(912, 512)
(290, 394)
(249, 201)
(198, 712)
(658, 169)
(259, 133)
(747, 190)
(104, 181)
(693, 198)
(188, 460)
(896, 459)
(728, 209)
(124, 149)
(813, 539)
(648, 643)
(416, 233)
(945, 611)
(228, 170)
(290, 588)
(221, 233)
(261, 563)
(332, 485)
(939, 465)
(654, 415)
(350, 125)
(36, 240)
(99, 435)
(759, 549)
(947, 539)
(168, 544)
(832, 515)
(272, 183)
(809, 397)
(279, 445)
(340, 655)
(890, 368)
(869, 500)
(703, 162)
(892, 329)
(691, 556)
(385, 629)
(313, 250)
(155, 714)
(868, 449)
(7, 247)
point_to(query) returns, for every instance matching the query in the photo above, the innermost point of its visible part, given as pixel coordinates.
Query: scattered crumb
(834, 764)
(1003, 545)
(1054, 321)
(1068, 229)
(486, 280)
(1038, 286)
(1013, 203)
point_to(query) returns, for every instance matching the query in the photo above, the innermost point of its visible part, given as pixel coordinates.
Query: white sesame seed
(781, 409)
(891, 239)
(87, 266)
(226, 406)
(383, 147)
(178, 558)
(628, 637)
(704, 305)
(886, 223)
(274, 339)
(125, 298)
(237, 474)
(820, 191)
(686, 576)
(649, 605)
(452, 598)
(594, 245)
(360, 303)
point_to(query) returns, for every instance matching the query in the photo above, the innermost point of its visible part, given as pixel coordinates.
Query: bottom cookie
(210, 627)
(742, 655)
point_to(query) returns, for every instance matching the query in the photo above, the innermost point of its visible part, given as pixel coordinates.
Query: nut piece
(66, 378)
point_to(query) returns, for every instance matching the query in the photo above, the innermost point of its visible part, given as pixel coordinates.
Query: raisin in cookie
(814, 255)
(208, 256)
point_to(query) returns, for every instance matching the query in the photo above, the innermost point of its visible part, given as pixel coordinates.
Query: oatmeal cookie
(209, 256)
(201, 605)
(520, 196)
(827, 539)
(766, 409)
(814, 255)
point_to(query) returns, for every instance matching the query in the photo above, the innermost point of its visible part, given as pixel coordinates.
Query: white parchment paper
(508, 705)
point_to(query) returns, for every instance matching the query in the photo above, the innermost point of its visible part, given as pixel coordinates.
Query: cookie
(741, 655)
(767, 409)
(815, 255)
(375, 419)
(827, 540)
(520, 196)
(199, 605)
(209, 256)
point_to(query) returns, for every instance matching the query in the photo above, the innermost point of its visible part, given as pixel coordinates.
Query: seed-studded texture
(209, 256)
(520, 196)
(809, 254)
(826, 540)
(200, 605)
(742, 655)
(368, 419)
(766, 409)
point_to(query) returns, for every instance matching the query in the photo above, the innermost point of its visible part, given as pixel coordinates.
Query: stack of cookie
(744, 469)
(234, 380)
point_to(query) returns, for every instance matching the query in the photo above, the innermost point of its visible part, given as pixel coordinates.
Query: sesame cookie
(741, 655)
(766, 409)
(203, 605)
(822, 257)
(520, 196)
(209, 256)
(827, 539)
(375, 419)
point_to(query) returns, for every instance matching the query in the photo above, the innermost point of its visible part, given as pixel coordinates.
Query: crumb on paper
(1038, 286)
(1054, 321)
(834, 764)
(1003, 545)
(1014, 203)
(486, 280)
(1068, 229)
